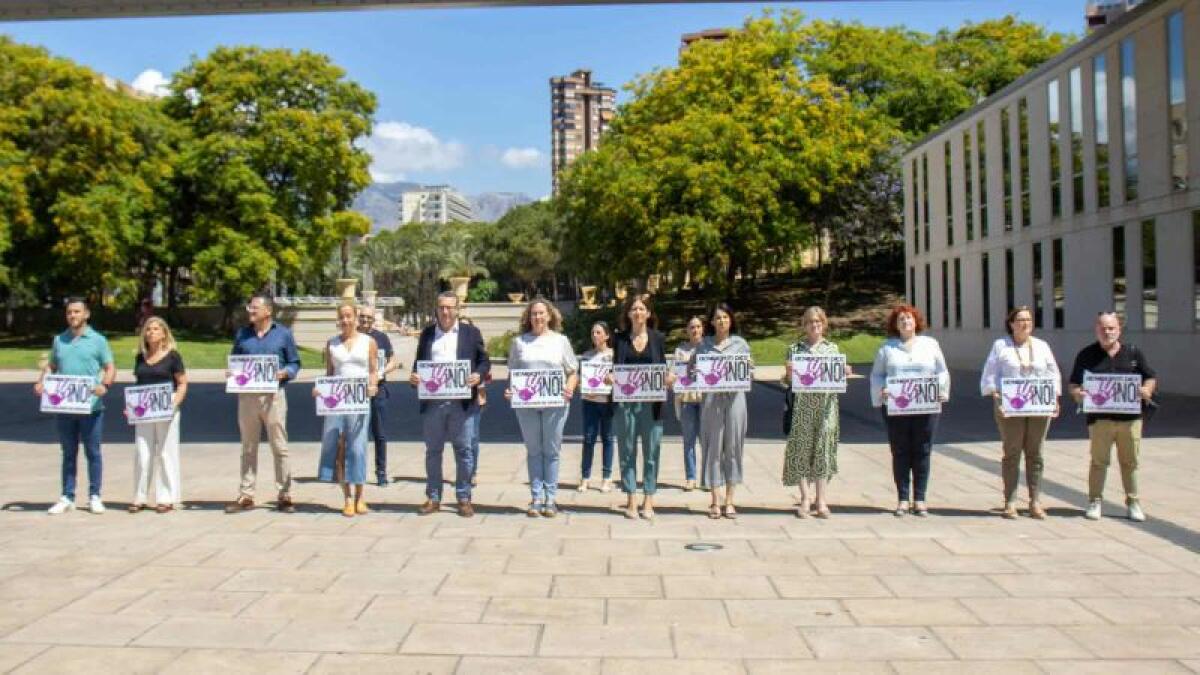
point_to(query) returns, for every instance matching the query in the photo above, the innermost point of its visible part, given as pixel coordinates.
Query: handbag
(789, 404)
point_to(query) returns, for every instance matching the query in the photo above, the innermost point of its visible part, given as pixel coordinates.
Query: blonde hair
(168, 338)
(814, 312)
(348, 303)
(555, 322)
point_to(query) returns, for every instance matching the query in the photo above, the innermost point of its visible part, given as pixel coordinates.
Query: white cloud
(521, 158)
(398, 148)
(151, 82)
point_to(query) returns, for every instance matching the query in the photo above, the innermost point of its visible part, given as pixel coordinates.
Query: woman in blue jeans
(689, 403)
(598, 413)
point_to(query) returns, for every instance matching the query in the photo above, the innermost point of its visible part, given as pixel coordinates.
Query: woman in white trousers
(156, 458)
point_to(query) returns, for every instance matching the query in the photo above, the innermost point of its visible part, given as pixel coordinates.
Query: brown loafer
(428, 507)
(242, 504)
(134, 508)
(465, 509)
(164, 508)
(286, 505)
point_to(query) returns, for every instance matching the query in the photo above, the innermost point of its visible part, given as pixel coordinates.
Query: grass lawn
(858, 347)
(198, 351)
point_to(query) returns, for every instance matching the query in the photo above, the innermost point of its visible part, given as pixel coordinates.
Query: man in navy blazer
(441, 421)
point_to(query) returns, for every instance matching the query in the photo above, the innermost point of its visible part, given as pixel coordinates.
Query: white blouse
(923, 358)
(548, 350)
(1032, 359)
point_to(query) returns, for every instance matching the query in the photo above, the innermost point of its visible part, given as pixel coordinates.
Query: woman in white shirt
(541, 346)
(598, 414)
(906, 353)
(1020, 355)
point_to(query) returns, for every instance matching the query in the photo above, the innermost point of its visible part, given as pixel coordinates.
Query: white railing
(331, 300)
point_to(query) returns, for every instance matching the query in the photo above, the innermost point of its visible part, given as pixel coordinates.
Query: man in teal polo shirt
(82, 351)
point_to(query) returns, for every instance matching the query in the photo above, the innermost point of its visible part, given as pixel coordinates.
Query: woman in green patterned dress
(811, 454)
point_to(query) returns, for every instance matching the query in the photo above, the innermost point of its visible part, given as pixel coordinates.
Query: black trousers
(911, 441)
(378, 404)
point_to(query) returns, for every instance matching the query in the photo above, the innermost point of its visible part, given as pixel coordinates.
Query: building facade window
(1006, 155)
(1176, 101)
(925, 198)
(1196, 269)
(945, 294)
(1100, 104)
(1076, 81)
(1118, 265)
(968, 185)
(949, 197)
(1037, 285)
(1010, 300)
(981, 149)
(928, 308)
(912, 285)
(1060, 297)
(1023, 141)
(916, 213)
(958, 293)
(986, 305)
(1052, 112)
(1149, 276)
(1129, 118)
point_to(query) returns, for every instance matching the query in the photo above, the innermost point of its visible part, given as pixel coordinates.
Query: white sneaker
(61, 506)
(1093, 510)
(583, 485)
(95, 505)
(1135, 513)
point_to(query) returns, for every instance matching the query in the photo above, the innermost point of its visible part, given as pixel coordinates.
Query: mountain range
(381, 203)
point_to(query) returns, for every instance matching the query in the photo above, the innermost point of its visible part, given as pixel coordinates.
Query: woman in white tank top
(344, 439)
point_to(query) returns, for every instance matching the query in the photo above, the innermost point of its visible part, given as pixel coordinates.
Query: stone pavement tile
(607, 641)
(431, 563)
(1104, 667)
(1067, 563)
(12, 656)
(731, 548)
(516, 665)
(1178, 585)
(608, 547)
(874, 643)
(173, 579)
(35, 585)
(907, 612)
(93, 660)
(959, 667)
(353, 562)
(334, 635)
(988, 546)
(684, 665)
(850, 564)
(830, 587)
(308, 524)
(354, 664)
(399, 583)
(621, 565)
(498, 585)
(1099, 544)
(188, 555)
(1142, 563)
(263, 560)
(481, 528)
(401, 544)
(428, 608)
(834, 528)
(281, 581)
(942, 586)
(608, 587)
(1031, 612)
(656, 612)
(240, 662)
(787, 613)
(190, 603)
(1193, 664)
(241, 541)
(290, 605)
(454, 638)
(1052, 585)
(658, 530)
(577, 528)
(1010, 642)
(583, 611)
(747, 642)
(83, 629)
(1138, 642)
(105, 601)
(212, 633)
(512, 546)
(775, 565)
(963, 564)
(915, 528)
(816, 667)
(1146, 611)
(725, 529)
(718, 587)
(533, 564)
(789, 548)
(316, 543)
(907, 547)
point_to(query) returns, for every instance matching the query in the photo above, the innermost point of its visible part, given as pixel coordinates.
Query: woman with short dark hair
(722, 419)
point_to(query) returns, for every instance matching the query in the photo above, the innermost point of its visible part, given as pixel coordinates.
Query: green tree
(524, 247)
(985, 57)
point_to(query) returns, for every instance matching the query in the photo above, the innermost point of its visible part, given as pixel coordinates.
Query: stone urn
(346, 289)
(589, 297)
(516, 298)
(459, 286)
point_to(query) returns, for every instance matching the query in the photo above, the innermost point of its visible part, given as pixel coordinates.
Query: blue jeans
(542, 429)
(597, 421)
(378, 405)
(689, 419)
(73, 429)
(353, 469)
(473, 424)
(445, 421)
(911, 441)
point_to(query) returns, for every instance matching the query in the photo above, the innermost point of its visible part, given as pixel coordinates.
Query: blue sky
(464, 93)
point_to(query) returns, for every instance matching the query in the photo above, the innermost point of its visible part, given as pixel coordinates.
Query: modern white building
(435, 204)
(1075, 189)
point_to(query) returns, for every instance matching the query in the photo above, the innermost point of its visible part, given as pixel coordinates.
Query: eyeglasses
(366, 319)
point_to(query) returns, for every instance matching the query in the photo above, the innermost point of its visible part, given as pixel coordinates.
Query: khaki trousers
(1128, 438)
(254, 412)
(1021, 435)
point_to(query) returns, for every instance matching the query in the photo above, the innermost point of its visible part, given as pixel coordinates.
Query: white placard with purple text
(634, 383)
(819, 373)
(150, 403)
(1115, 393)
(342, 396)
(68, 394)
(686, 379)
(444, 380)
(913, 396)
(537, 387)
(1027, 397)
(252, 374)
(591, 377)
(724, 373)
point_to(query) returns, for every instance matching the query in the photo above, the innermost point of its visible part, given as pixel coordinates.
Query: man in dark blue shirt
(264, 336)
(387, 363)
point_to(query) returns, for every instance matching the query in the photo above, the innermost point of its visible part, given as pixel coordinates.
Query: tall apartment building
(710, 34)
(435, 204)
(580, 112)
(1074, 190)
(1103, 12)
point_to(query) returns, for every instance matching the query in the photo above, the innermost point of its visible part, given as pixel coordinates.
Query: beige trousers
(1128, 438)
(254, 412)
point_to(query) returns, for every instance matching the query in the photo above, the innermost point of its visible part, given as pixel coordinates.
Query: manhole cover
(701, 546)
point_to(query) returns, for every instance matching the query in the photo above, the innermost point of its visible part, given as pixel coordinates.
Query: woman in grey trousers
(722, 420)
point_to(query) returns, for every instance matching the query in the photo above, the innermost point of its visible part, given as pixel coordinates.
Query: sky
(464, 93)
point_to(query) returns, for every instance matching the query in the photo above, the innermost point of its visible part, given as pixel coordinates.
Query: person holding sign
(542, 372)
(637, 343)
(350, 354)
(1022, 376)
(598, 409)
(156, 457)
(266, 402)
(386, 362)
(82, 353)
(1111, 379)
(811, 453)
(722, 418)
(688, 403)
(441, 347)
(909, 383)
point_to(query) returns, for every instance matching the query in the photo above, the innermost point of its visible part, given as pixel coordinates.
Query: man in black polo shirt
(1109, 355)
(387, 363)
